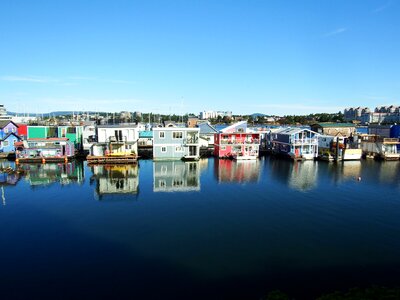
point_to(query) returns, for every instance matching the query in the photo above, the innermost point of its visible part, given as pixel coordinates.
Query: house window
(177, 134)
(162, 183)
(179, 149)
(164, 149)
(223, 147)
(71, 130)
(5, 143)
(5, 130)
(162, 134)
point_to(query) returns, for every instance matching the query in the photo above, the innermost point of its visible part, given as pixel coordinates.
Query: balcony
(306, 141)
(192, 140)
(240, 142)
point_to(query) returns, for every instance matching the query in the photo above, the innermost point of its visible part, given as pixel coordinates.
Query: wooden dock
(110, 159)
(43, 160)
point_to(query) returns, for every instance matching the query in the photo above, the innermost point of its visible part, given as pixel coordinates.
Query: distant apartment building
(381, 114)
(3, 113)
(355, 113)
(205, 115)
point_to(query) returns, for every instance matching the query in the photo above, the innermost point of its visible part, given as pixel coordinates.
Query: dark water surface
(215, 229)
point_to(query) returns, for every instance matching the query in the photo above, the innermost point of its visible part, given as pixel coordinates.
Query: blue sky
(274, 57)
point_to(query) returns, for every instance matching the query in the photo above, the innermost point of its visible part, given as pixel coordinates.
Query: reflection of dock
(109, 159)
(240, 171)
(116, 179)
(176, 176)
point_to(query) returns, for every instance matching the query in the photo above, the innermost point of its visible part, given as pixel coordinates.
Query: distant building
(206, 115)
(334, 129)
(3, 113)
(381, 114)
(192, 122)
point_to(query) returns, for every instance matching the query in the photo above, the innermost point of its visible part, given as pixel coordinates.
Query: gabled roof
(291, 131)
(4, 123)
(233, 126)
(206, 128)
(11, 133)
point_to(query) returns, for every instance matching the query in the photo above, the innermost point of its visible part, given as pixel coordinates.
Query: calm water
(215, 229)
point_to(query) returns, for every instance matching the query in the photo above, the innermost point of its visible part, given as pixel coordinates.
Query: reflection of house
(300, 175)
(45, 174)
(176, 143)
(303, 175)
(234, 141)
(176, 176)
(227, 170)
(8, 175)
(297, 143)
(116, 179)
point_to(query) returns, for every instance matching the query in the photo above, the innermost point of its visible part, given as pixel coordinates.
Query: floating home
(378, 147)
(73, 133)
(338, 148)
(174, 143)
(45, 150)
(8, 137)
(115, 144)
(296, 143)
(237, 142)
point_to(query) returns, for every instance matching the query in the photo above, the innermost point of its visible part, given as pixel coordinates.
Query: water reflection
(298, 175)
(46, 174)
(176, 176)
(227, 170)
(115, 180)
(8, 175)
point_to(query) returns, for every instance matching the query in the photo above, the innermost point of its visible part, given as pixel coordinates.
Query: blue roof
(146, 134)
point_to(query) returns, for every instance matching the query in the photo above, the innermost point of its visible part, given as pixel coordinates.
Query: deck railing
(236, 142)
(306, 141)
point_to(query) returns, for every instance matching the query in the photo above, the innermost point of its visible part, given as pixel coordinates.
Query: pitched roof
(330, 125)
(233, 126)
(4, 123)
(206, 128)
(11, 133)
(290, 130)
